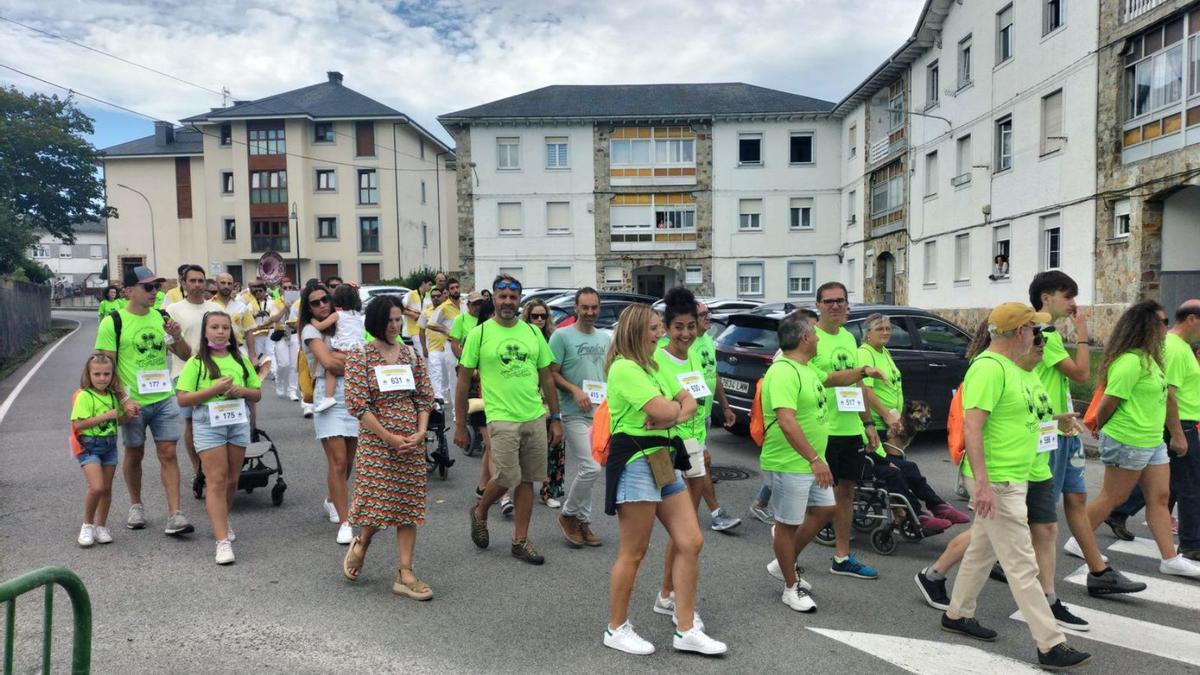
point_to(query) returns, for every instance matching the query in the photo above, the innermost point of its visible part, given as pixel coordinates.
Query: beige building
(333, 181)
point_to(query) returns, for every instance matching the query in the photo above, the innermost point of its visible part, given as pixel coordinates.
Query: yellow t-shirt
(435, 340)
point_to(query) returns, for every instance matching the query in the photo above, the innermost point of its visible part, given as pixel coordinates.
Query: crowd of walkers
(187, 360)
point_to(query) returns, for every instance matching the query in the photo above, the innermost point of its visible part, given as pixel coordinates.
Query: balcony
(650, 238)
(1132, 9)
(885, 149)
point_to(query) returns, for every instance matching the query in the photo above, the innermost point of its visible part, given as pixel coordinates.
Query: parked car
(544, 294)
(929, 351)
(562, 309)
(365, 293)
(719, 305)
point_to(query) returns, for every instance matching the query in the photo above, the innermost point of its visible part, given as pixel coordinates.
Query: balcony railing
(884, 148)
(1132, 9)
(650, 238)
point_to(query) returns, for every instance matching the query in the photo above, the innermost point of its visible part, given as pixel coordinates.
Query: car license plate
(736, 386)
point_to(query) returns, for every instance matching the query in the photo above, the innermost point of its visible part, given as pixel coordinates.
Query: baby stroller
(256, 469)
(435, 433)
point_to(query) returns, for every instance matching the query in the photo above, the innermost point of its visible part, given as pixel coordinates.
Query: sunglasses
(537, 315)
(317, 302)
(833, 302)
(258, 288)
(289, 288)
(151, 287)
(507, 285)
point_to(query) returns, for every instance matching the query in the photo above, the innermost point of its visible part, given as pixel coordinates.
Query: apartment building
(79, 264)
(725, 188)
(335, 182)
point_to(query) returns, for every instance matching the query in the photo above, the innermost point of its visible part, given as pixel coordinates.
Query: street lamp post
(296, 228)
(153, 244)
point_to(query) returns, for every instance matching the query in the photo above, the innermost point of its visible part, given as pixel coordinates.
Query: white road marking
(926, 657)
(12, 397)
(1183, 593)
(1140, 546)
(1142, 636)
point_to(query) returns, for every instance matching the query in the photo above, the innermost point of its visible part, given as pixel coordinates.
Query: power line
(74, 92)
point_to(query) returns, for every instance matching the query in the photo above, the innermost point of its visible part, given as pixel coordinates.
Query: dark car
(562, 309)
(543, 294)
(929, 351)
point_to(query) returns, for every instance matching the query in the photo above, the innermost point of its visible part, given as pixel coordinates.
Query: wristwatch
(555, 417)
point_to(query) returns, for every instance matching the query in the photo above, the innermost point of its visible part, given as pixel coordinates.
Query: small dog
(913, 420)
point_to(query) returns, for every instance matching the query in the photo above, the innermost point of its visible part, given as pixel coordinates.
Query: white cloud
(431, 57)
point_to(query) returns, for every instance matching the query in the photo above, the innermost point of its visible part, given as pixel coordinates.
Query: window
(41, 251)
(800, 277)
(1004, 143)
(326, 180)
(326, 270)
(1004, 34)
(887, 195)
(852, 207)
(364, 139)
(1051, 242)
(65, 251)
(227, 182)
(629, 152)
(1194, 65)
(369, 273)
(268, 187)
(931, 174)
(853, 140)
(421, 145)
(509, 218)
(938, 336)
(801, 213)
(964, 62)
(269, 235)
(851, 275)
(750, 279)
(327, 227)
(693, 276)
(750, 149)
(962, 161)
(226, 134)
(423, 192)
(267, 142)
(1052, 123)
(1001, 241)
(931, 263)
(424, 234)
(368, 186)
(323, 132)
(556, 153)
(514, 272)
(800, 150)
(932, 94)
(1053, 15)
(750, 214)
(896, 112)
(559, 277)
(368, 234)
(558, 217)
(508, 153)
(96, 251)
(613, 274)
(962, 257)
(1121, 218)
(1154, 69)
(675, 151)
(229, 229)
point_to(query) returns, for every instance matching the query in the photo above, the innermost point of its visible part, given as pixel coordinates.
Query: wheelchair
(435, 435)
(875, 513)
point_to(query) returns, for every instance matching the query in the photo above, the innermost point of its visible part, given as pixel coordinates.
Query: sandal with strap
(352, 564)
(417, 590)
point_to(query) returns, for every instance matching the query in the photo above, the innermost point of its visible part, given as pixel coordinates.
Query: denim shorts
(337, 421)
(162, 418)
(185, 411)
(1067, 463)
(1116, 454)
(793, 493)
(207, 437)
(637, 483)
(100, 450)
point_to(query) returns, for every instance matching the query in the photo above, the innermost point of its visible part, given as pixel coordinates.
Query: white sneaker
(87, 536)
(798, 599)
(294, 396)
(696, 621)
(696, 641)
(331, 511)
(1179, 566)
(1072, 548)
(325, 404)
(224, 552)
(553, 503)
(103, 536)
(774, 570)
(624, 639)
(345, 534)
(307, 410)
(664, 606)
(229, 532)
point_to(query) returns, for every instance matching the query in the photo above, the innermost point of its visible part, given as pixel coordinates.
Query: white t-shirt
(190, 318)
(349, 335)
(315, 369)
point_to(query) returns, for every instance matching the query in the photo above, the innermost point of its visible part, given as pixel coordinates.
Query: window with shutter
(364, 139)
(1052, 123)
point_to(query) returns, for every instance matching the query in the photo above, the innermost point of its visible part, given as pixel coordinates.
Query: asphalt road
(160, 603)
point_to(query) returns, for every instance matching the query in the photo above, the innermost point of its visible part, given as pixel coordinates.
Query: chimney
(334, 77)
(164, 133)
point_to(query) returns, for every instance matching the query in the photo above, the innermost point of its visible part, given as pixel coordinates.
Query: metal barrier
(81, 607)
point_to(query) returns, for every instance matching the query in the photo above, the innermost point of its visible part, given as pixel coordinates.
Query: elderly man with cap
(1001, 432)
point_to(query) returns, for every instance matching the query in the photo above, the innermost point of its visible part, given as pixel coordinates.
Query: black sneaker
(1118, 529)
(479, 531)
(1112, 582)
(1066, 619)
(1190, 553)
(933, 591)
(198, 486)
(998, 574)
(968, 627)
(523, 550)
(1062, 657)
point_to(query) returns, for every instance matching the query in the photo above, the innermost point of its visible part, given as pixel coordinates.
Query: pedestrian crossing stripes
(1142, 636)
(1185, 594)
(926, 657)
(1140, 546)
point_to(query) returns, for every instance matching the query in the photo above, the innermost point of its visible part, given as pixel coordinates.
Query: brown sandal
(352, 564)
(417, 590)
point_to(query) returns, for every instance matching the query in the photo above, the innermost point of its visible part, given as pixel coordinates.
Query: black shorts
(847, 458)
(477, 419)
(1039, 502)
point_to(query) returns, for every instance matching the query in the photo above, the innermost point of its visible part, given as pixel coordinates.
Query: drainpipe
(437, 177)
(396, 191)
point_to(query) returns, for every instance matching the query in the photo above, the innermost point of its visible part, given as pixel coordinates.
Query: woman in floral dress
(388, 390)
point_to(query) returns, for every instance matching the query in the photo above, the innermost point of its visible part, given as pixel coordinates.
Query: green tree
(48, 177)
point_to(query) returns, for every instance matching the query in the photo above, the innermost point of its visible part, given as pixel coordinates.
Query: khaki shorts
(519, 451)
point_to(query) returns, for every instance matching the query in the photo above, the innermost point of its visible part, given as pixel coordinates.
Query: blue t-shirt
(580, 357)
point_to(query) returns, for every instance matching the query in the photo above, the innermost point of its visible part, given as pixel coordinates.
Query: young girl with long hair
(95, 412)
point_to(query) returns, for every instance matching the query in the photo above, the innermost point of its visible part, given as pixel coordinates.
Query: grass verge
(47, 337)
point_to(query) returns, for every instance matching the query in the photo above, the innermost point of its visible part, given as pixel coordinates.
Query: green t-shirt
(108, 307)
(1053, 381)
(838, 352)
(463, 323)
(995, 384)
(672, 368)
(706, 351)
(890, 393)
(142, 349)
(1183, 373)
(790, 384)
(158, 299)
(580, 357)
(195, 376)
(508, 360)
(88, 404)
(1139, 382)
(1044, 410)
(629, 389)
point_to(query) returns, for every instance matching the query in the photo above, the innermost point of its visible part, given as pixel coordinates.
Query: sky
(429, 57)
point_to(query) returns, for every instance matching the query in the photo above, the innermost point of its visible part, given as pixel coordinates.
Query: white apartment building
(79, 264)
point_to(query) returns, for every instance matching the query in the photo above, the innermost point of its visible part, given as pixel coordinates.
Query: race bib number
(154, 381)
(395, 378)
(226, 413)
(849, 399)
(596, 392)
(694, 383)
(1048, 436)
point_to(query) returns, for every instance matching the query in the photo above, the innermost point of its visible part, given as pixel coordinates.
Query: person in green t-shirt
(513, 362)
(706, 351)
(95, 412)
(1183, 415)
(109, 302)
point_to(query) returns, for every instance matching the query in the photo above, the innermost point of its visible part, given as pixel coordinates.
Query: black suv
(929, 351)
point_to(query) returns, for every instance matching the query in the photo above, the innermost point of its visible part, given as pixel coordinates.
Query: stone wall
(465, 188)
(26, 311)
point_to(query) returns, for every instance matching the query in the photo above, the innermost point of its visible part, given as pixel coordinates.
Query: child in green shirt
(95, 413)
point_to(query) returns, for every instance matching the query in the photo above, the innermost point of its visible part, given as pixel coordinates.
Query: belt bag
(278, 334)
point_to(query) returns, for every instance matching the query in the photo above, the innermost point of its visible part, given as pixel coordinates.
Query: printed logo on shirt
(514, 358)
(841, 358)
(148, 342)
(708, 361)
(1044, 409)
(589, 349)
